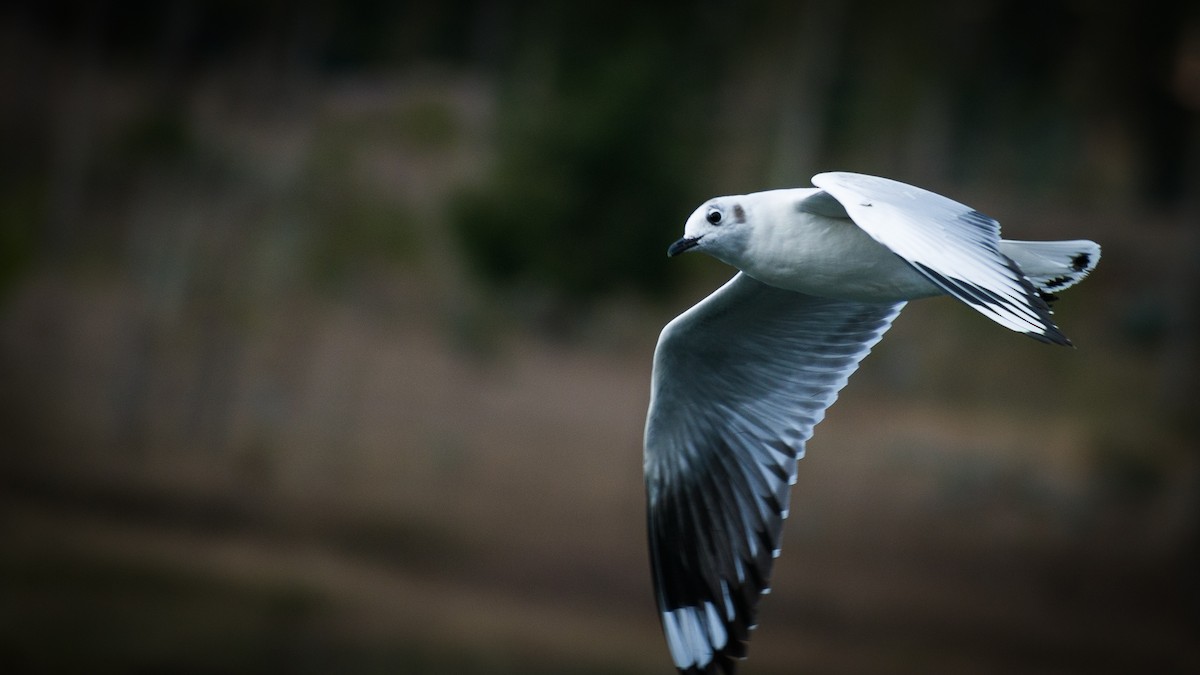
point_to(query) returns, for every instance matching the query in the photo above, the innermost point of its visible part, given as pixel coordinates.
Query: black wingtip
(1052, 336)
(722, 664)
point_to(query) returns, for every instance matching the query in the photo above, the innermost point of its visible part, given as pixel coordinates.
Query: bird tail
(1052, 266)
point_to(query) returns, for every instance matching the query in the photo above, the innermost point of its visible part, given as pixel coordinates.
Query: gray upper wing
(739, 381)
(951, 244)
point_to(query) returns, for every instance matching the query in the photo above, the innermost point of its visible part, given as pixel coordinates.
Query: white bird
(741, 378)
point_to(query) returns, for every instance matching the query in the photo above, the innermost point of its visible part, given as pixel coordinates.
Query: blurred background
(325, 332)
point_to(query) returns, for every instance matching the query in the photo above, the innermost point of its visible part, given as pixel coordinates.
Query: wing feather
(739, 382)
(951, 244)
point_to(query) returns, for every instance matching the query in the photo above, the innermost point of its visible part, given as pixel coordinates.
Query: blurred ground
(491, 519)
(262, 412)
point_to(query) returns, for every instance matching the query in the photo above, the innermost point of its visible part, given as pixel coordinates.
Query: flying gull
(741, 378)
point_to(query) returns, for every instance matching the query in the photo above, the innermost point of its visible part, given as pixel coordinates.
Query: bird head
(720, 227)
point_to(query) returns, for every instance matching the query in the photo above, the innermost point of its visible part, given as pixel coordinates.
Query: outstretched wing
(952, 245)
(739, 381)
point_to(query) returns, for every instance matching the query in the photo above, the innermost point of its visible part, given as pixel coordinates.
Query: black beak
(681, 246)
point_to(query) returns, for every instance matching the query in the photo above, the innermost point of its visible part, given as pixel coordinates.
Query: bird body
(741, 378)
(821, 255)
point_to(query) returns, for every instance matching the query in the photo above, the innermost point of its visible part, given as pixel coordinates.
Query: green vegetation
(596, 162)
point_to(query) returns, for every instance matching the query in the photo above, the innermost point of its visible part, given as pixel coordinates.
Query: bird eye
(714, 216)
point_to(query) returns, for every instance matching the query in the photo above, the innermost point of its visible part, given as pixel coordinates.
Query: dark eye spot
(714, 216)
